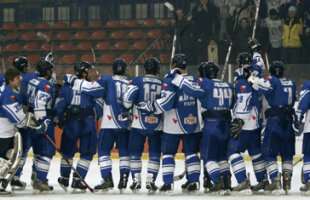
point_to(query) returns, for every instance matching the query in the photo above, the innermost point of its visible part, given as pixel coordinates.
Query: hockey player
(181, 122)
(41, 101)
(78, 125)
(245, 128)
(279, 138)
(21, 64)
(303, 112)
(11, 116)
(113, 126)
(144, 125)
(216, 97)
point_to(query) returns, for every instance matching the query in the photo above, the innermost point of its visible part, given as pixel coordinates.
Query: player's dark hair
(10, 75)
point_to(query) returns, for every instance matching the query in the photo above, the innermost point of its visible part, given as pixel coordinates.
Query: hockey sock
(287, 166)
(21, 166)
(65, 169)
(168, 165)
(272, 168)
(306, 168)
(192, 168)
(238, 167)
(135, 165)
(213, 170)
(105, 163)
(123, 161)
(42, 166)
(82, 167)
(224, 167)
(259, 167)
(153, 164)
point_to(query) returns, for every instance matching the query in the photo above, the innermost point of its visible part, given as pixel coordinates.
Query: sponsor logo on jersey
(47, 88)
(190, 119)
(151, 119)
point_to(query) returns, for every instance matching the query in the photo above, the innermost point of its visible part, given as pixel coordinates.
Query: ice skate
(218, 187)
(106, 185)
(305, 190)
(77, 185)
(17, 184)
(166, 189)
(275, 187)
(184, 186)
(150, 184)
(227, 184)
(243, 188)
(136, 185)
(42, 187)
(192, 188)
(63, 182)
(260, 186)
(286, 182)
(207, 184)
(123, 182)
(4, 193)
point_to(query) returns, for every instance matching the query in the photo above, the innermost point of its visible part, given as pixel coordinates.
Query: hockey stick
(172, 9)
(68, 162)
(179, 177)
(257, 4)
(94, 59)
(231, 41)
(46, 39)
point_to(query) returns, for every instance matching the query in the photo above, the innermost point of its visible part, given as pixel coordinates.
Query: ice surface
(93, 178)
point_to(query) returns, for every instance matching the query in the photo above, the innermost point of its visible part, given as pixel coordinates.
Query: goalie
(11, 116)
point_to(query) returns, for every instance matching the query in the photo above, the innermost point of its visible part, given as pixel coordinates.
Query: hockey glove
(236, 128)
(173, 72)
(5, 165)
(60, 121)
(254, 45)
(43, 126)
(146, 106)
(69, 79)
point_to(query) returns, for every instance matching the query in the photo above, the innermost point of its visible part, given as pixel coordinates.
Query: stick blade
(169, 6)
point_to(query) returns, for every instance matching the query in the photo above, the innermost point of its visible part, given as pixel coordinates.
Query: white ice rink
(93, 178)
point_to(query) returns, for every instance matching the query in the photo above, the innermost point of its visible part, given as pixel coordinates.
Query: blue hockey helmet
(277, 69)
(20, 63)
(151, 65)
(119, 66)
(208, 69)
(180, 61)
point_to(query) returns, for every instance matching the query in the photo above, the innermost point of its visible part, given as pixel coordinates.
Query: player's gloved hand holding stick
(235, 129)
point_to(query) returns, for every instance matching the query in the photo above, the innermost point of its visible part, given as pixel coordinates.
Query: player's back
(26, 78)
(289, 88)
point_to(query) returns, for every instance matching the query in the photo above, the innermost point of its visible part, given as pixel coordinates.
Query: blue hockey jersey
(2, 81)
(26, 78)
(278, 92)
(141, 89)
(181, 111)
(303, 109)
(40, 97)
(111, 88)
(11, 112)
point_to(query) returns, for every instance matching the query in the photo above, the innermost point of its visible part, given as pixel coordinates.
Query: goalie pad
(14, 156)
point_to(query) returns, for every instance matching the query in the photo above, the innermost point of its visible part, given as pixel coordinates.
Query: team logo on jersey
(268, 78)
(175, 120)
(190, 119)
(151, 119)
(109, 117)
(136, 117)
(199, 80)
(13, 98)
(242, 88)
(47, 88)
(164, 86)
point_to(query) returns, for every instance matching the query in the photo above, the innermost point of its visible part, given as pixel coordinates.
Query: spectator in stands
(226, 23)
(248, 12)
(184, 43)
(243, 33)
(275, 28)
(274, 4)
(283, 10)
(205, 19)
(292, 30)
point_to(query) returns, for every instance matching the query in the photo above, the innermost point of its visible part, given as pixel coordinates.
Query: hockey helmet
(81, 67)
(20, 63)
(119, 66)
(244, 59)
(208, 69)
(43, 66)
(180, 60)
(151, 65)
(277, 69)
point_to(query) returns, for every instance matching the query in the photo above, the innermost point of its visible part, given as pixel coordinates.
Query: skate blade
(286, 191)
(104, 191)
(135, 191)
(276, 192)
(78, 191)
(305, 193)
(195, 192)
(227, 192)
(169, 193)
(244, 192)
(36, 192)
(16, 188)
(63, 187)
(121, 191)
(151, 192)
(6, 194)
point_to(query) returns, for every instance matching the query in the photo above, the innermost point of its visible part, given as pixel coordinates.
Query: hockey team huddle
(211, 117)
